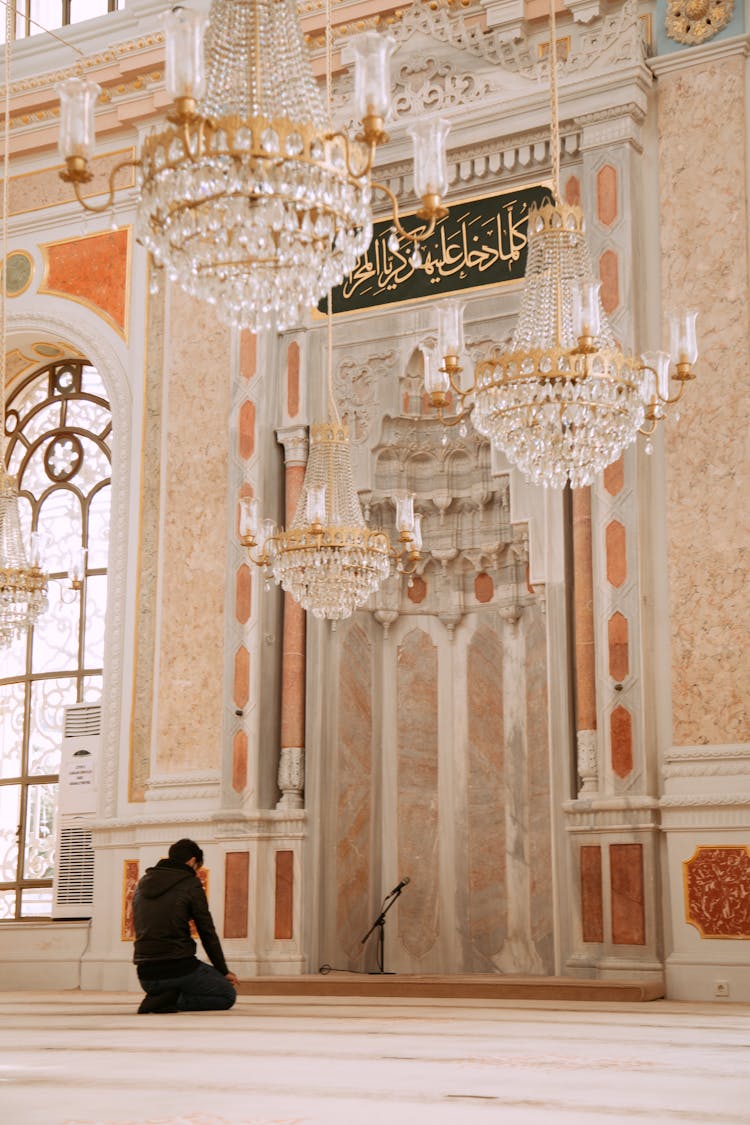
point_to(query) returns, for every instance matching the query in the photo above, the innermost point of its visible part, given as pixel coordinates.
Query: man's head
(183, 851)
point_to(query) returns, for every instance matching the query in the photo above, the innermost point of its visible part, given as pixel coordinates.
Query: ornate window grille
(59, 424)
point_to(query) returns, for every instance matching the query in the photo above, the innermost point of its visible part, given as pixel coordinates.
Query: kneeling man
(168, 898)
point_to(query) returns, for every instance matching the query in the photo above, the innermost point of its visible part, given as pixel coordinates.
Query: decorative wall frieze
(707, 761)
(183, 786)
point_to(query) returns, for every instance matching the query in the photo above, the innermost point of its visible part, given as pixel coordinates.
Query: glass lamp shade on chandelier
(564, 400)
(248, 198)
(328, 559)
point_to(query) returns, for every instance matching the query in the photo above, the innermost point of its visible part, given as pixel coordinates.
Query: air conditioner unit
(73, 882)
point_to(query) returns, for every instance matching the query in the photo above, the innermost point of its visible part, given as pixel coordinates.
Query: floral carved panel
(717, 891)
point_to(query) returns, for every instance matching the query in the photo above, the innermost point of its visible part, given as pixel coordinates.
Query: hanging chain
(333, 412)
(554, 140)
(9, 15)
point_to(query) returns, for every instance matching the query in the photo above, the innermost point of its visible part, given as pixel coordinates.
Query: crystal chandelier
(564, 401)
(328, 559)
(248, 198)
(23, 585)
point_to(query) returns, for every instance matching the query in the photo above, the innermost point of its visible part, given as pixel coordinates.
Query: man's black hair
(183, 850)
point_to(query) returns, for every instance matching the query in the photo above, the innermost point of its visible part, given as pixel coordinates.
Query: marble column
(291, 777)
(585, 666)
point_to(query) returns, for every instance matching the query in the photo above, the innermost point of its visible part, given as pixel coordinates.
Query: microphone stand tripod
(379, 925)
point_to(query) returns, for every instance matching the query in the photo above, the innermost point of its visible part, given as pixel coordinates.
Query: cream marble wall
(193, 542)
(702, 120)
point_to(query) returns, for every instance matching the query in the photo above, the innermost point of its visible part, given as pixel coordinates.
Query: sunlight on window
(60, 450)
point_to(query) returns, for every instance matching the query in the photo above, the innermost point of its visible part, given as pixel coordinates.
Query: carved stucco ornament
(696, 21)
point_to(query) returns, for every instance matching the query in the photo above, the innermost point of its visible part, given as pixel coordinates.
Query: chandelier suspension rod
(9, 14)
(554, 107)
(333, 410)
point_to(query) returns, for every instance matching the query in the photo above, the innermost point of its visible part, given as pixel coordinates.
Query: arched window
(58, 426)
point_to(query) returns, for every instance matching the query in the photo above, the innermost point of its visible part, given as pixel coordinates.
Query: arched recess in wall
(58, 429)
(33, 343)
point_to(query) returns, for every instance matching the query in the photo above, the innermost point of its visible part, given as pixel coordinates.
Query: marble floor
(70, 1058)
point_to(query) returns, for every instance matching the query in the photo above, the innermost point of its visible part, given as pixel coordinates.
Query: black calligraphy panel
(480, 242)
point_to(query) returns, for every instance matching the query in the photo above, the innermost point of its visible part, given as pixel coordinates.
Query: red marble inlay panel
(614, 476)
(484, 588)
(592, 902)
(617, 560)
(243, 594)
(573, 191)
(236, 894)
(248, 353)
(621, 741)
(130, 877)
(606, 195)
(292, 379)
(283, 926)
(417, 591)
(92, 270)
(617, 632)
(247, 430)
(241, 676)
(239, 762)
(717, 891)
(626, 888)
(609, 272)
(417, 803)
(486, 792)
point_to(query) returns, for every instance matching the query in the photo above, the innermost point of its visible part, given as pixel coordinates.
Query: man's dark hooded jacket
(167, 898)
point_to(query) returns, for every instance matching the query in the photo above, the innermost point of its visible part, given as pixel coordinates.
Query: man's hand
(232, 979)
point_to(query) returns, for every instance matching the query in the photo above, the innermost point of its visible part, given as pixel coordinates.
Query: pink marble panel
(627, 891)
(484, 588)
(573, 191)
(617, 638)
(609, 273)
(246, 429)
(486, 793)
(592, 911)
(417, 591)
(248, 353)
(621, 741)
(292, 379)
(606, 195)
(239, 761)
(130, 875)
(703, 156)
(354, 790)
(538, 772)
(614, 476)
(94, 271)
(584, 611)
(243, 598)
(717, 891)
(193, 566)
(283, 926)
(241, 692)
(236, 894)
(617, 559)
(417, 791)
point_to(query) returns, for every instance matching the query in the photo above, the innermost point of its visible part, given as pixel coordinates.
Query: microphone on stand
(400, 887)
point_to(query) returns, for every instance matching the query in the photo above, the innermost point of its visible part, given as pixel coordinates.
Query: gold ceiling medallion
(696, 21)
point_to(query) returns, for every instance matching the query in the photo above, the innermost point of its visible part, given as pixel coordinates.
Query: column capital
(295, 442)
